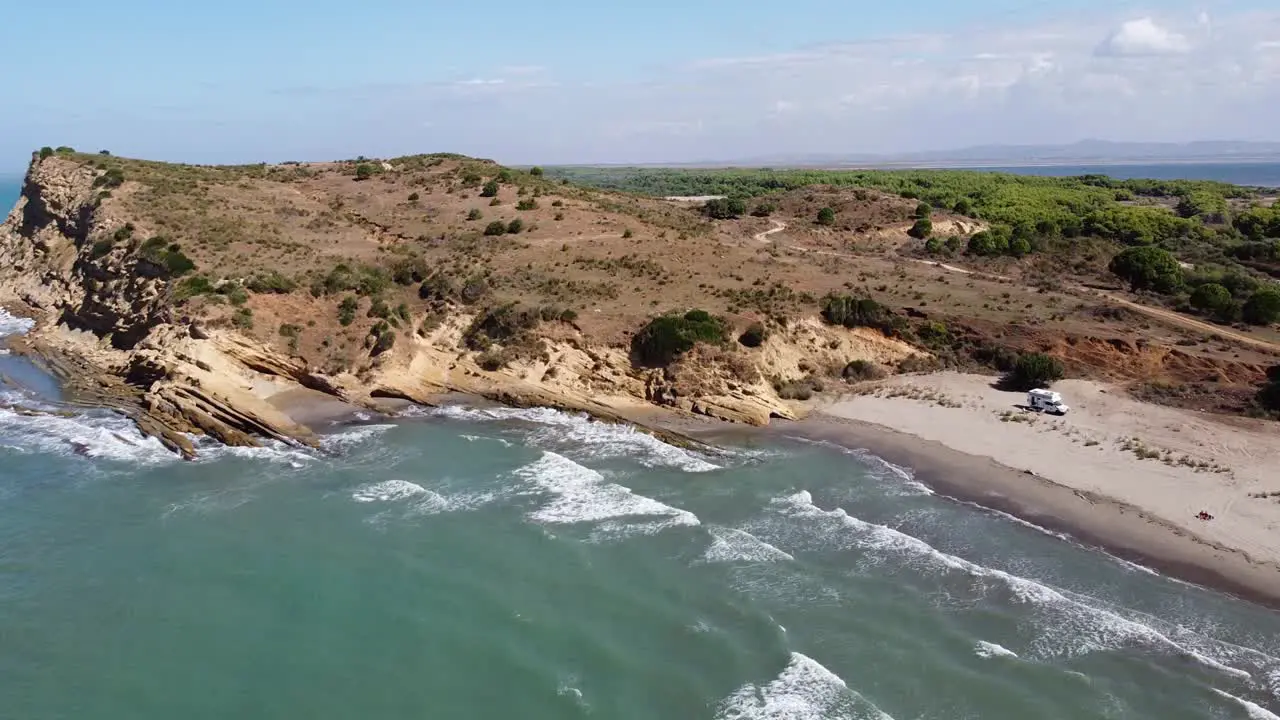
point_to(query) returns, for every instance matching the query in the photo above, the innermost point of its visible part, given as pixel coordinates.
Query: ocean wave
(730, 545)
(352, 436)
(13, 325)
(1253, 710)
(582, 495)
(98, 436)
(387, 491)
(984, 649)
(804, 690)
(1067, 624)
(902, 477)
(597, 438)
(415, 500)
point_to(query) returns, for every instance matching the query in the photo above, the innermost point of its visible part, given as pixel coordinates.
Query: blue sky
(572, 81)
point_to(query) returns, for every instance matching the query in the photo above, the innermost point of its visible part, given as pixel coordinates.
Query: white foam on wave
(804, 690)
(877, 465)
(13, 325)
(1253, 710)
(387, 491)
(582, 495)
(97, 435)
(601, 439)
(352, 436)
(984, 649)
(731, 545)
(1075, 625)
(416, 499)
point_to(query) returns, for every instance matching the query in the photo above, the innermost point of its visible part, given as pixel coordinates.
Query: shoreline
(1095, 521)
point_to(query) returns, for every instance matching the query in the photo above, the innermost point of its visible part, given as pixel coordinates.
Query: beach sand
(1083, 474)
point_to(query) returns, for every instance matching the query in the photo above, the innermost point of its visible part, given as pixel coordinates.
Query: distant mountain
(1084, 152)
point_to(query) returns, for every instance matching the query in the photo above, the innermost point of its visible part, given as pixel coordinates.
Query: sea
(492, 563)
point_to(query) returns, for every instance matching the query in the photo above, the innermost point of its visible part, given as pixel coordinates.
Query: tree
(1213, 299)
(535, 171)
(934, 246)
(1148, 268)
(826, 216)
(668, 336)
(989, 243)
(1019, 247)
(490, 189)
(515, 226)
(923, 210)
(1263, 307)
(922, 228)
(725, 208)
(497, 227)
(1033, 370)
(46, 152)
(364, 171)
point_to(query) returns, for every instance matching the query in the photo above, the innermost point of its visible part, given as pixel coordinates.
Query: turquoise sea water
(10, 188)
(498, 564)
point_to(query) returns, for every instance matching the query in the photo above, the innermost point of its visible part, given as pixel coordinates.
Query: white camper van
(1046, 401)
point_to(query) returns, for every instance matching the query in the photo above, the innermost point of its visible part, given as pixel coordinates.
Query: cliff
(193, 298)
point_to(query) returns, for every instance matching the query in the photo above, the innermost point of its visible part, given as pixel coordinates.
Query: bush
(46, 152)
(193, 286)
(408, 271)
(386, 340)
(764, 210)
(347, 310)
(627, 234)
(990, 243)
(934, 246)
(497, 227)
(827, 217)
(1213, 299)
(569, 315)
(754, 336)
(668, 336)
(860, 312)
(922, 229)
(527, 204)
(475, 214)
(1033, 370)
(112, 178)
(1148, 268)
(492, 361)
(1019, 247)
(1269, 396)
(861, 371)
(364, 171)
(1262, 307)
(413, 197)
(923, 210)
(963, 206)
(490, 189)
(725, 208)
(101, 248)
(515, 226)
(535, 171)
(243, 319)
(271, 282)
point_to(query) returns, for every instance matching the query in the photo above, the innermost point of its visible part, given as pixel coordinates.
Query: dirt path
(778, 226)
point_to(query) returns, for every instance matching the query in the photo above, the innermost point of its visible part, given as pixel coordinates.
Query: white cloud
(1109, 77)
(1144, 37)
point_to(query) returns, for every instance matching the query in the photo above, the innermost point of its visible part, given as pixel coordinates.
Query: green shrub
(408, 271)
(569, 315)
(668, 336)
(764, 210)
(386, 340)
(1019, 246)
(515, 226)
(725, 208)
(923, 210)
(492, 361)
(497, 227)
(347, 310)
(861, 371)
(1262, 307)
(503, 323)
(234, 292)
(1148, 268)
(372, 281)
(627, 234)
(112, 178)
(1033, 370)
(990, 243)
(379, 309)
(490, 189)
(414, 197)
(46, 152)
(922, 228)
(271, 282)
(535, 171)
(193, 286)
(827, 216)
(289, 330)
(101, 248)
(1213, 299)
(475, 214)
(527, 204)
(754, 336)
(243, 318)
(963, 206)
(934, 246)
(364, 171)
(860, 312)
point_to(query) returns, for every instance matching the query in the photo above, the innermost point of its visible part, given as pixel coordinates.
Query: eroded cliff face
(109, 325)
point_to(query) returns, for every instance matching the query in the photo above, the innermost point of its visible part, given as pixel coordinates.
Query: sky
(569, 81)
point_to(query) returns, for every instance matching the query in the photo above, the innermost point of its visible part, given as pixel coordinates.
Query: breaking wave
(1065, 624)
(878, 467)
(804, 690)
(730, 545)
(582, 495)
(1253, 710)
(559, 429)
(984, 649)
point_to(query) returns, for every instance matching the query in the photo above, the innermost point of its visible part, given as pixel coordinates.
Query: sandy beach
(1115, 472)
